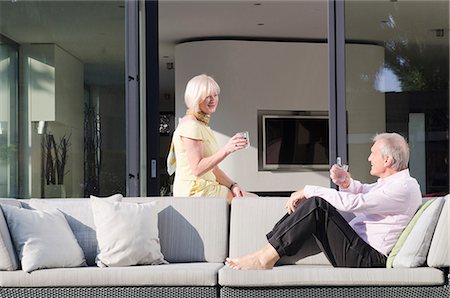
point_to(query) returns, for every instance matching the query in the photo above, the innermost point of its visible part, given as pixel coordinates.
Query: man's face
(378, 163)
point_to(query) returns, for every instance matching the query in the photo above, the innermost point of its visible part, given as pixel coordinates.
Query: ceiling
(93, 31)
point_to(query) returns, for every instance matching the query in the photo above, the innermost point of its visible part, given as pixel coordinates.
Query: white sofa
(196, 235)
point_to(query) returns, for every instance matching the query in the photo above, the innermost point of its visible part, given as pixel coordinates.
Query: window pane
(8, 119)
(72, 96)
(397, 61)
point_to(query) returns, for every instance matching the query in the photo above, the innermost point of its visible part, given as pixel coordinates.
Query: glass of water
(245, 135)
(343, 167)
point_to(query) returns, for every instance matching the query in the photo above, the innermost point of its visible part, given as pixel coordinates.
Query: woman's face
(209, 104)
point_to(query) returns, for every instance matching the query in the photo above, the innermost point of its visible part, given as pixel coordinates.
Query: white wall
(255, 76)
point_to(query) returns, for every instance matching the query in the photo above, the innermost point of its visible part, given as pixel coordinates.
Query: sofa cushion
(127, 233)
(8, 257)
(404, 235)
(438, 256)
(252, 218)
(43, 239)
(192, 229)
(323, 275)
(194, 274)
(78, 213)
(415, 249)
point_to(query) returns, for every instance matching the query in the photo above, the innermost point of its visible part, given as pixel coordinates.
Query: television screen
(294, 141)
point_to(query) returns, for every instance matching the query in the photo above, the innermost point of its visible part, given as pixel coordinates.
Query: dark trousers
(317, 218)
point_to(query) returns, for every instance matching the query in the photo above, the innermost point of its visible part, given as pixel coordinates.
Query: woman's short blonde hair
(197, 89)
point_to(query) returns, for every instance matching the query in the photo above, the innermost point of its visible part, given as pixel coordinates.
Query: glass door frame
(337, 104)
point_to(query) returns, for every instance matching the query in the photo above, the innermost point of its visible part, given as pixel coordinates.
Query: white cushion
(173, 275)
(78, 213)
(43, 239)
(326, 275)
(438, 255)
(127, 233)
(415, 249)
(8, 258)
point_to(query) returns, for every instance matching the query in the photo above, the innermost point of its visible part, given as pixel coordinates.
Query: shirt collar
(402, 173)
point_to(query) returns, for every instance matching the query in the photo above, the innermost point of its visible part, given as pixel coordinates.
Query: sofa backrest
(190, 229)
(252, 218)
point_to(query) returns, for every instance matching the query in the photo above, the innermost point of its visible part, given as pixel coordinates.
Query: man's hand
(295, 199)
(340, 177)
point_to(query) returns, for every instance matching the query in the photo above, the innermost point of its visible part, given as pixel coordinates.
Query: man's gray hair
(395, 146)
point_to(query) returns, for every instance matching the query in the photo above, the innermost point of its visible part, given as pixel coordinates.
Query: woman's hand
(339, 176)
(237, 191)
(295, 199)
(235, 143)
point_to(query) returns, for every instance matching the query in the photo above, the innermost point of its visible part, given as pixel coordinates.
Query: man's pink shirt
(382, 209)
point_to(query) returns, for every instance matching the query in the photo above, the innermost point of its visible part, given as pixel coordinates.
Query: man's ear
(388, 161)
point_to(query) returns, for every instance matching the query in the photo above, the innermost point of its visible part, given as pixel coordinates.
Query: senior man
(382, 209)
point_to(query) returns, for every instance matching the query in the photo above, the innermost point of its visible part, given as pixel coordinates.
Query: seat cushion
(252, 218)
(324, 275)
(194, 274)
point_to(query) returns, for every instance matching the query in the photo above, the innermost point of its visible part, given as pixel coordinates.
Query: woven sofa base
(337, 292)
(111, 292)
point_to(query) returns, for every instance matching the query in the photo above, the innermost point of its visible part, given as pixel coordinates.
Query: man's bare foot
(262, 259)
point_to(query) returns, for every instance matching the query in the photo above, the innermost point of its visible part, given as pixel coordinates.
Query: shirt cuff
(349, 188)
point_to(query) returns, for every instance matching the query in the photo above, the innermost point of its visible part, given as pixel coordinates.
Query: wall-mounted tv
(292, 140)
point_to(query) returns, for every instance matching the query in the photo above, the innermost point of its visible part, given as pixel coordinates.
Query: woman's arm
(200, 164)
(223, 179)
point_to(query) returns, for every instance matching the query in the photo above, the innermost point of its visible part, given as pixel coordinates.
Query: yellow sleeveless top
(185, 182)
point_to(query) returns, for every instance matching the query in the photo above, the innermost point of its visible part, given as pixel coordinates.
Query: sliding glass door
(65, 79)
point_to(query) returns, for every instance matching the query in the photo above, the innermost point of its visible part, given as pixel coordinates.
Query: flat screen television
(291, 140)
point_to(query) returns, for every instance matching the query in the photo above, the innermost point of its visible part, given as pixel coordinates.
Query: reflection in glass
(409, 93)
(8, 115)
(72, 97)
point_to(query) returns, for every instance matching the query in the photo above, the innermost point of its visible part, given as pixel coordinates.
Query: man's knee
(317, 203)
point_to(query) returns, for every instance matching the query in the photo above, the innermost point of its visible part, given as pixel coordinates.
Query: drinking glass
(341, 166)
(245, 135)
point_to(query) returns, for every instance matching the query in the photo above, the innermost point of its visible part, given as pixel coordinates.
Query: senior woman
(195, 149)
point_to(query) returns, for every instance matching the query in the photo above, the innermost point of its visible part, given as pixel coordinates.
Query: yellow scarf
(200, 116)
(171, 159)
